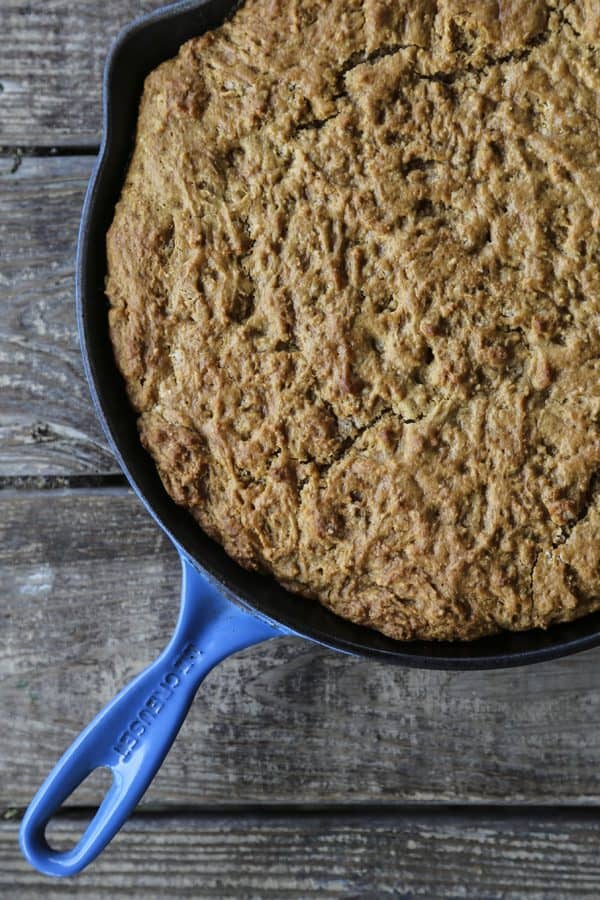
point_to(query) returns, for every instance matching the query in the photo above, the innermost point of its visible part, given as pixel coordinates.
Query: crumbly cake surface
(354, 286)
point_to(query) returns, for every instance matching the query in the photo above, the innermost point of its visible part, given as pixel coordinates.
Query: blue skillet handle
(134, 733)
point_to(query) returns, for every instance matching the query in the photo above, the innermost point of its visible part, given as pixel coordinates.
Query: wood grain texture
(51, 67)
(327, 857)
(89, 588)
(47, 424)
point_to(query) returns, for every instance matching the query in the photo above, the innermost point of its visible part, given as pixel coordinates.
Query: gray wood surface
(484, 858)
(90, 593)
(47, 424)
(51, 67)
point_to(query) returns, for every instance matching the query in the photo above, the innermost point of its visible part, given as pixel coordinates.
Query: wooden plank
(51, 67)
(89, 589)
(47, 424)
(327, 856)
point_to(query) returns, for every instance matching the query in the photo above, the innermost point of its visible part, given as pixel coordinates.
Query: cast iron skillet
(224, 608)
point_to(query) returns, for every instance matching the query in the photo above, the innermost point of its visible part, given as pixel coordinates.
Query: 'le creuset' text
(156, 702)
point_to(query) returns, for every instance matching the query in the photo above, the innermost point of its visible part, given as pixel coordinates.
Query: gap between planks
(347, 813)
(63, 483)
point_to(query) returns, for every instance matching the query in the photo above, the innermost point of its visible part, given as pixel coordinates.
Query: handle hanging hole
(66, 827)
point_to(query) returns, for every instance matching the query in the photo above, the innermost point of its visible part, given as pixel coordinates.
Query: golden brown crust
(354, 283)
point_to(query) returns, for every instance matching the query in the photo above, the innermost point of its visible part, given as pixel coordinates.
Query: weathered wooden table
(298, 772)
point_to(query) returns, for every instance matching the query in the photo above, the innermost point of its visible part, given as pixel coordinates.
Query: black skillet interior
(144, 45)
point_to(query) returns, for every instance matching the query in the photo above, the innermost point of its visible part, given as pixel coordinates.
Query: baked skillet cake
(354, 294)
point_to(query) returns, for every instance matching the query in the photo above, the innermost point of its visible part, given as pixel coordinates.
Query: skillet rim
(507, 649)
